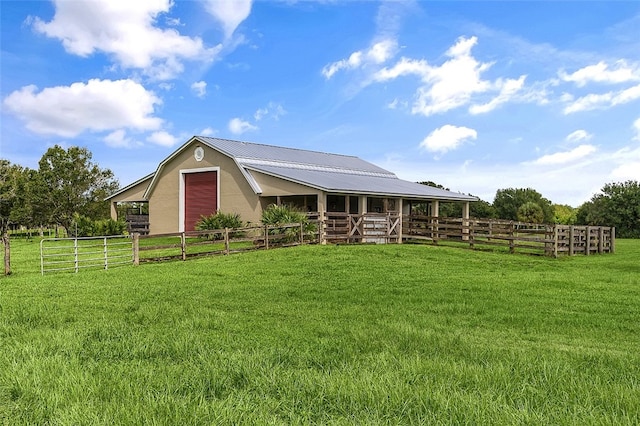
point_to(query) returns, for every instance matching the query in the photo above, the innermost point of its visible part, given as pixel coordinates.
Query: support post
(266, 237)
(587, 242)
(400, 224)
(226, 240)
(183, 245)
(555, 241)
(435, 213)
(465, 221)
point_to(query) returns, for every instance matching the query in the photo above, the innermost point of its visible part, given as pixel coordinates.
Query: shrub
(82, 226)
(220, 220)
(109, 227)
(285, 214)
(530, 212)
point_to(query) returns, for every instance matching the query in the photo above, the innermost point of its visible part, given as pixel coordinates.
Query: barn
(206, 175)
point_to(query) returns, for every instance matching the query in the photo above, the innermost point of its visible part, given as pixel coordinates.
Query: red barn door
(200, 197)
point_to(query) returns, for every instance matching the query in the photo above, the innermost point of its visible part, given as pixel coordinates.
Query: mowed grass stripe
(395, 334)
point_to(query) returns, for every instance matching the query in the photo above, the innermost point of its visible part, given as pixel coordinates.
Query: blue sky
(476, 96)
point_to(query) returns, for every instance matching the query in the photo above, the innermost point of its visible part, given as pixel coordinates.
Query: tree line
(68, 189)
(617, 204)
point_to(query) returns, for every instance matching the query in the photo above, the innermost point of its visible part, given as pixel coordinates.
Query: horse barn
(206, 175)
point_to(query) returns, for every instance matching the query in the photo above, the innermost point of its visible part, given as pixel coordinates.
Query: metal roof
(331, 181)
(327, 172)
(246, 153)
(324, 171)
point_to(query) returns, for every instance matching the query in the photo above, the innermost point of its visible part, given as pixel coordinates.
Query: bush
(530, 212)
(220, 220)
(109, 227)
(83, 226)
(285, 214)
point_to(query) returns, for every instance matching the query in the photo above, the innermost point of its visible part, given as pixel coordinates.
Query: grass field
(395, 334)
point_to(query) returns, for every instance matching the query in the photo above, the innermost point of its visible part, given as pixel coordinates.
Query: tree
(68, 182)
(479, 209)
(508, 201)
(618, 205)
(530, 212)
(11, 181)
(564, 214)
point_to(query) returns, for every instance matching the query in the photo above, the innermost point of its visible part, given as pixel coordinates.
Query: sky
(476, 96)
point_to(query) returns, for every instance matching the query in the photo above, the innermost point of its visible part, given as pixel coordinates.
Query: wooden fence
(73, 254)
(550, 240)
(362, 228)
(181, 245)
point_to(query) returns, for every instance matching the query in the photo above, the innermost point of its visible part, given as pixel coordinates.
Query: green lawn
(395, 334)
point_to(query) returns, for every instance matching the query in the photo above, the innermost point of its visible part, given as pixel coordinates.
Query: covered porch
(363, 218)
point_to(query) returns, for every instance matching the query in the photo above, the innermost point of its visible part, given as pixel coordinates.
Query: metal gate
(73, 254)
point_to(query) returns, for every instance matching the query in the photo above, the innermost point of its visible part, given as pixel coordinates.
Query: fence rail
(550, 240)
(181, 245)
(73, 254)
(362, 228)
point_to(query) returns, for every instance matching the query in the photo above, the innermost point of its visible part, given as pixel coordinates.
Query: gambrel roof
(332, 173)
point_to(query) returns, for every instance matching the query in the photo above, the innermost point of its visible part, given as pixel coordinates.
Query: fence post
(555, 241)
(571, 239)
(226, 240)
(136, 248)
(600, 240)
(587, 243)
(612, 243)
(301, 233)
(266, 237)
(7, 253)
(183, 245)
(512, 248)
(75, 253)
(106, 255)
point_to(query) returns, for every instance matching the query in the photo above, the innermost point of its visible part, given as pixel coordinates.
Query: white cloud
(272, 110)
(453, 83)
(627, 171)
(378, 53)
(162, 138)
(578, 136)
(97, 105)
(230, 13)
(604, 100)
(199, 88)
(238, 126)
(447, 138)
(404, 67)
(109, 26)
(208, 131)
(508, 89)
(119, 139)
(636, 127)
(567, 156)
(621, 72)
